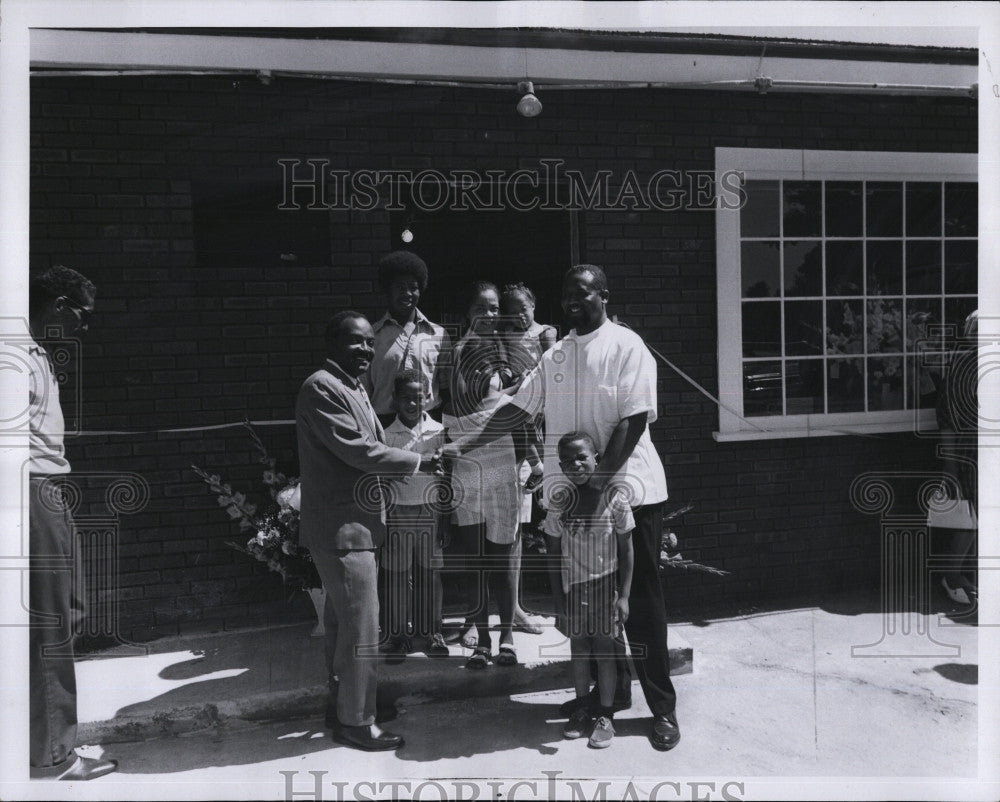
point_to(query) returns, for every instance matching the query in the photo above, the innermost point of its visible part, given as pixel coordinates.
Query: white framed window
(839, 278)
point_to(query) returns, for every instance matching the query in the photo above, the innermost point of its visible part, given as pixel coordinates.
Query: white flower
(289, 497)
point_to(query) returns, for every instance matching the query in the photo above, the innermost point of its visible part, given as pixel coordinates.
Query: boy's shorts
(590, 607)
(412, 536)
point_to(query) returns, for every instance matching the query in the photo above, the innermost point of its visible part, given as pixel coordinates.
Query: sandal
(470, 640)
(480, 658)
(507, 655)
(527, 626)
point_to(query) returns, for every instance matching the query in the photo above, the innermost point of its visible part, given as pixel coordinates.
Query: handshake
(441, 459)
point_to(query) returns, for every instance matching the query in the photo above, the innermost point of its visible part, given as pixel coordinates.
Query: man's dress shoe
(88, 768)
(666, 733)
(362, 738)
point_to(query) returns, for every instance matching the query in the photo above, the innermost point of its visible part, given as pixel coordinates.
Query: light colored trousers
(351, 620)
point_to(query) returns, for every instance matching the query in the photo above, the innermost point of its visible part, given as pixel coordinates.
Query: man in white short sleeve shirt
(601, 379)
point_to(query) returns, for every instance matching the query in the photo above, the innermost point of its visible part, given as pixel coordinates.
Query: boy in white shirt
(414, 529)
(590, 528)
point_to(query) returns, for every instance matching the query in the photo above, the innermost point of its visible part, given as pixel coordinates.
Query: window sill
(832, 430)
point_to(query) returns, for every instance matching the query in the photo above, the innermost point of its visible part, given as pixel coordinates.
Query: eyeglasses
(82, 312)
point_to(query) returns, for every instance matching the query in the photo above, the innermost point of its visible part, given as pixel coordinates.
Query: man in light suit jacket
(343, 459)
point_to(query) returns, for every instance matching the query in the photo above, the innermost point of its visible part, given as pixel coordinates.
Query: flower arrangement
(275, 540)
(668, 542)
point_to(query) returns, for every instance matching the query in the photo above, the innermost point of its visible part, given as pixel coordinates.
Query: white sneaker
(603, 732)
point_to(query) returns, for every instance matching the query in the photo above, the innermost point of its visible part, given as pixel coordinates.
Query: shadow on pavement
(966, 673)
(244, 747)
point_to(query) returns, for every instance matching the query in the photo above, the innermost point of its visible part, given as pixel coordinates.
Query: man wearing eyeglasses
(61, 303)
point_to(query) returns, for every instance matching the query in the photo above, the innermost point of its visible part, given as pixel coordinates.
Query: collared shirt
(591, 383)
(417, 344)
(424, 439)
(590, 543)
(47, 454)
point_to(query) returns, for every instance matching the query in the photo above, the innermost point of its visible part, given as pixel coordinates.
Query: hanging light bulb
(528, 105)
(407, 235)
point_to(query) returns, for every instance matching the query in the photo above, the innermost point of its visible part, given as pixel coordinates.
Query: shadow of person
(520, 726)
(247, 745)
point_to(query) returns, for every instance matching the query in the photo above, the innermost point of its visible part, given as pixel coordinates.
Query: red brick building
(796, 309)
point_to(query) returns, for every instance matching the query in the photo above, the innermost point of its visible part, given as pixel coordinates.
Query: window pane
(803, 268)
(885, 383)
(845, 385)
(843, 268)
(961, 267)
(923, 210)
(923, 268)
(844, 328)
(921, 392)
(884, 207)
(803, 386)
(803, 327)
(961, 212)
(956, 310)
(921, 316)
(802, 208)
(760, 267)
(759, 216)
(762, 329)
(761, 388)
(885, 268)
(843, 208)
(884, 316)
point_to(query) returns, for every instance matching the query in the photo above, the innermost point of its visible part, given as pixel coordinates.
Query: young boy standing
(414, 533)
(591, 530)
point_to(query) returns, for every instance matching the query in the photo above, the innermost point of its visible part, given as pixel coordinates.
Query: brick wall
(117, 168)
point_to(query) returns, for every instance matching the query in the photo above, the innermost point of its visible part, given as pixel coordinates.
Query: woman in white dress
(488, 496)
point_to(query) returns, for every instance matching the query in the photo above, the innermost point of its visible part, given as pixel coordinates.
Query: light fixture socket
(528, 105)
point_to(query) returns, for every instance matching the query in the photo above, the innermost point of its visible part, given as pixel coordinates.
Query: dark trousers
(56, 610)
(647, 622)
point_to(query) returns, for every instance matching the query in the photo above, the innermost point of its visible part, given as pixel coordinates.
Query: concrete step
(239, 677)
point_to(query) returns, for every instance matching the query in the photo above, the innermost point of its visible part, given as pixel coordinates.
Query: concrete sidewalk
(230, 678)
(822, 692)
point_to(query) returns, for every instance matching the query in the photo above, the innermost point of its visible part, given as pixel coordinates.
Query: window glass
(884, 319)
(884, 209)
(761, 329)
(759, 215)
(762, 388)
(845, 385)
(802, 208)
(885, 383)
(845, 328)
(961, 263)
(923, 268)
(923, 209)
(760, 269)
(885, 267)
(803, 268)
(844, 267)
(961, 210)
(803, 328)
(843, 208)
(803, 386)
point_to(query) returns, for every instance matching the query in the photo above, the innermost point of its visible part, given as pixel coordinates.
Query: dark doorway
(503, 246)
